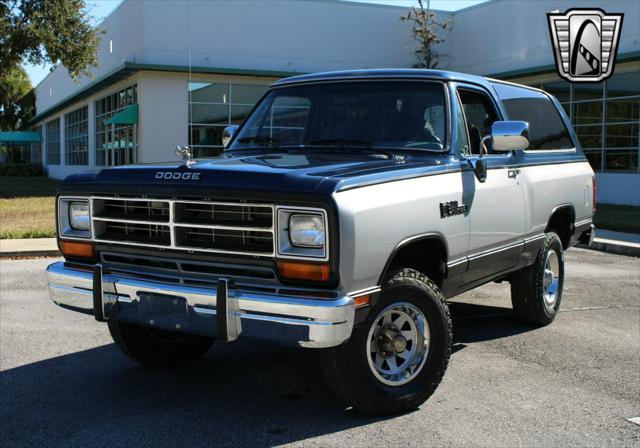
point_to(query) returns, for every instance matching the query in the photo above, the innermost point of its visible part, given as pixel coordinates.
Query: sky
(100, 9)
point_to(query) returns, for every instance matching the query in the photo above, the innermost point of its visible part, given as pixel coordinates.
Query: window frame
(498, 112)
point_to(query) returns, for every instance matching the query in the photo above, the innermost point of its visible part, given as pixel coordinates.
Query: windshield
(389, 114)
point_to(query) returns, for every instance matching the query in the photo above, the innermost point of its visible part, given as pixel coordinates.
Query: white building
(177, 72)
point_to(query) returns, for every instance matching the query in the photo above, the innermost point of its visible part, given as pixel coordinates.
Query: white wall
(506, 35)
(123, 29)
(618, 188)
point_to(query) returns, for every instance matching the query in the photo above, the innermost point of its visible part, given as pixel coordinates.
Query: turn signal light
(296, 270)
(362, 300)
(77, 249)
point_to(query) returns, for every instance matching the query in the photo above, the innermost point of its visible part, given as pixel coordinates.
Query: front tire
(155, 348)
(536, 291)
(396, 359)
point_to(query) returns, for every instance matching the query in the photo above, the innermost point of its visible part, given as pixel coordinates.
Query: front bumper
(225, 312)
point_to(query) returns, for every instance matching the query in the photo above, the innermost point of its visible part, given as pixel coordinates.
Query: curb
(30, 253)
(615, 247)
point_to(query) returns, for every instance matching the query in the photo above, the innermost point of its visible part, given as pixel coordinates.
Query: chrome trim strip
(494, 251)
(362, 292)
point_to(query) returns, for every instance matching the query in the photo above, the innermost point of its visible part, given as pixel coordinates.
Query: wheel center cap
(399, 344)
(390, 342)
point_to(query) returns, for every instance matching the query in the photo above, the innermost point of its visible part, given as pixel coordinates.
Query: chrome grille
(201, 226)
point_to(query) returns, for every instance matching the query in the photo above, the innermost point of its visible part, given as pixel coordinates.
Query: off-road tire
(158, 348)
(527, 286)
(346, 368)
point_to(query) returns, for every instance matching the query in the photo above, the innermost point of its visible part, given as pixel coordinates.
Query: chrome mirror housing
(510, 136)
(228, 134)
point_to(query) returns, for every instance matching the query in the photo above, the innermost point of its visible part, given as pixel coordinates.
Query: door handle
(513, 173)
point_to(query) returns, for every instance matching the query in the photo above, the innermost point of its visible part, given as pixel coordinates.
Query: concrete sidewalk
(29, 247)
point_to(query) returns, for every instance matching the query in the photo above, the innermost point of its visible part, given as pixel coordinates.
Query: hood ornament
(185, 153)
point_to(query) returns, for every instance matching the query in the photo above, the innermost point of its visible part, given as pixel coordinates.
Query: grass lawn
(622, 218)
(27, 207)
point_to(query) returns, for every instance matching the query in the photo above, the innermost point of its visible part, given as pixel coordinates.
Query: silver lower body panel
(299, 321)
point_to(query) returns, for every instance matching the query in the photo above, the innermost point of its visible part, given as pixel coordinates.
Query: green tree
(47, 31)
(425, 27)
(17, 100)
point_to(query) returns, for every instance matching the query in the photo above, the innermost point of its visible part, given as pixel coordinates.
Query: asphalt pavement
(573, 383)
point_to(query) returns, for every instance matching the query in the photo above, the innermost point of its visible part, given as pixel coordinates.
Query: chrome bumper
(300, 321)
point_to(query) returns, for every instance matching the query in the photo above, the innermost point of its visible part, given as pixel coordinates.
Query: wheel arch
(561, 221)
(426, 253)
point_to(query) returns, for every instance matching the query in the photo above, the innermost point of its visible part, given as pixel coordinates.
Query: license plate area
(161, 305)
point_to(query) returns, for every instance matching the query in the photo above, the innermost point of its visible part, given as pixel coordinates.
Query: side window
(462, 138)
(480, 115)
(546, 128)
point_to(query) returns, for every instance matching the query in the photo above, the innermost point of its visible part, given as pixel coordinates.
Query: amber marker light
(362, 300)
(77, 249)
(298, 270)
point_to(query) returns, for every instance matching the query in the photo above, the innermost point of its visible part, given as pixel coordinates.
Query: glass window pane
(200, 92)
(560, 89)
(622, 136)
(587, 113)
(621, 160)
(623, 110)
(209, 114)
(206, 135)
(587, 91)
(589, 136)
(246, 94)
(624, 84)
(238, 113)
(595, 159)
(202, 152)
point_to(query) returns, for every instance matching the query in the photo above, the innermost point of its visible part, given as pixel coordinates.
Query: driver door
(496, 206)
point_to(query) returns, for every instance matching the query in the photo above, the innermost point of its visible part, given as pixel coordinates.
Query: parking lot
(63, 382)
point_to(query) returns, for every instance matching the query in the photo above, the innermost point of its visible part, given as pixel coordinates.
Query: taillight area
(593, 182)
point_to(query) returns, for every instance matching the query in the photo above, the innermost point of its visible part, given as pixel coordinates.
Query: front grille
(224, 227)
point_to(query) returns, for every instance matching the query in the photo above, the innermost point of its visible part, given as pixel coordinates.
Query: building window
(52, 139)
(214, 106)
(36, 148)
(606, 118)
(122, 139)
(76, 137)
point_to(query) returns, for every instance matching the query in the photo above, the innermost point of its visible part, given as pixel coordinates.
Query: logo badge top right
(585, 43)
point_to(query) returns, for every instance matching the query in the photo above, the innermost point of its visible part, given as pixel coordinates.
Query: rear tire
(155, 348)
(396, 359)
(536, 291)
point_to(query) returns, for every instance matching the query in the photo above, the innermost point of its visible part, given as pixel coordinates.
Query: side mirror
(228, 134)
(479, 166)
(510, 135)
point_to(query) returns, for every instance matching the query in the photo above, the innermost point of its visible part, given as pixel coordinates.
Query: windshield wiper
(260, 139)
(342, 142)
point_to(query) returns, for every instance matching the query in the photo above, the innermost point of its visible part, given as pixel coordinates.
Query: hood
(309, 172)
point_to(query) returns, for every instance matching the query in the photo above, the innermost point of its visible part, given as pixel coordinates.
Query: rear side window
(546, 128)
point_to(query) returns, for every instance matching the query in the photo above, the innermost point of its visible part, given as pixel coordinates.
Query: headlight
(74, 220)
(79, 215)
(302, 232)
(306, 230)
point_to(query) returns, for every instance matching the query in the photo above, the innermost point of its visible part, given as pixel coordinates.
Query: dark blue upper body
(307, 171)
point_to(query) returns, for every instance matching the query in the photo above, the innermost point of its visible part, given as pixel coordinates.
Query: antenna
(189, 89)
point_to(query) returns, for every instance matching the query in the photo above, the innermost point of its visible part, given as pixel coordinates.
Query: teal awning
(20, 137)
(127, 116)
